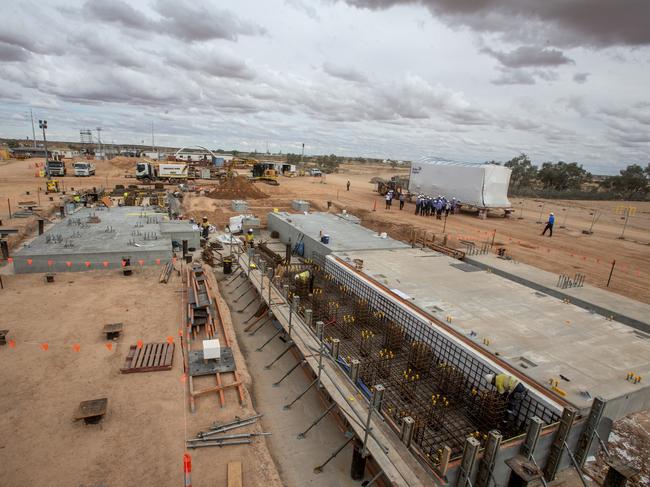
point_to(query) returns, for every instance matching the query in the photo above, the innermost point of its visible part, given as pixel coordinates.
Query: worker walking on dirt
(510, 388)
(549, 224)
(250, 238)
(402, 199)
(205, 228)
(348, 185)
(389, 200)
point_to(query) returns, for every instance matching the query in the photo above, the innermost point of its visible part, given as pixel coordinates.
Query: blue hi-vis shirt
(551, 219)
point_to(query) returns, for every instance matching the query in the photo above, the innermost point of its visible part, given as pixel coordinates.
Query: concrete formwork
(93, 238)
(531, 333)
(344, 234)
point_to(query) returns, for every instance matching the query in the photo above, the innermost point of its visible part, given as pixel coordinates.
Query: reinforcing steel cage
(426, 375)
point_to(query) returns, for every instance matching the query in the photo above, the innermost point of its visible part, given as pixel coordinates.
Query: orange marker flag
(69, 264)
(157, 261)
(29, 261)
(170, 340)
(76, 347)
(87, 264)
(141, 262)
(139, 344)
(105, 263)
(183, 377)
(12, 344)
(109, 346)
(50, 262)
(10, 260)
(44, 346)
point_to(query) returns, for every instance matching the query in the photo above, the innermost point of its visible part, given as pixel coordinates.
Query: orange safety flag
(123, 263)
(69, 264)
(170, 340)
(87, 264)
(141, 262)
(12, 344)
(105, 263)
(139, 344)
(109, 346)
(29, 261)
(157, 261)
(50, 262)
(76, 347)
(44, 346)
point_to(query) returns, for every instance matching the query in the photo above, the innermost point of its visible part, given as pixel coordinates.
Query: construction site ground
(59, 357)
(141, 440)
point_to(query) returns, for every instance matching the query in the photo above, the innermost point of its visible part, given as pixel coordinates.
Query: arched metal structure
(194, 147)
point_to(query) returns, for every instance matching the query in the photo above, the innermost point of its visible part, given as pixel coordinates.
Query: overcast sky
(466, 80)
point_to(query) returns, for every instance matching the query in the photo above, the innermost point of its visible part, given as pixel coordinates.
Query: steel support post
(336, 346)
(276, 384)
(532, 437)
(316, 421)
(407, 430)
(557, 448)
(375, 402)
(289, 347)
(308, 317)
(354, 370)
(587, 435)
(269, 340)
(319, 469)
(288, 406)
(486, 466)
(470, 452)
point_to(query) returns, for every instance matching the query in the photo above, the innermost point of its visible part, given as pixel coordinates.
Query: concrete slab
(541, 336)
(619, 308)
(94, 238)
(344, 233)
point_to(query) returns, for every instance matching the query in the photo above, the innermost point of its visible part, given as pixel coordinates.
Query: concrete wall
(50, 263)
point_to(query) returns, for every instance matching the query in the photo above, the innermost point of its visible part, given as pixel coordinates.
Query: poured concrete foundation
(344, 234)
(96, 238)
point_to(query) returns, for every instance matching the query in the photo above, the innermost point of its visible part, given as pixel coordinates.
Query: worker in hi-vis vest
(306, 277)
(205, 228)
(250, 238)
(513, 390)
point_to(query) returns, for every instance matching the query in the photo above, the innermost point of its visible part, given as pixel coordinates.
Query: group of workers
(426, 205)
(391, 195)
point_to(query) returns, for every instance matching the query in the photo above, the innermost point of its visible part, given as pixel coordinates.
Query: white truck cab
(83, 168)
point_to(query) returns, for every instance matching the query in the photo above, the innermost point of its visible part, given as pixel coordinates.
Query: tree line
(571, 179)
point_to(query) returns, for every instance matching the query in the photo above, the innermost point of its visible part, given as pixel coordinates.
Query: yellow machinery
(52, 186)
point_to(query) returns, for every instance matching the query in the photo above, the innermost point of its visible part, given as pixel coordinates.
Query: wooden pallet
(151, 357)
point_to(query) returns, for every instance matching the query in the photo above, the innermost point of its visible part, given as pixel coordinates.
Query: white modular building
(479, 185)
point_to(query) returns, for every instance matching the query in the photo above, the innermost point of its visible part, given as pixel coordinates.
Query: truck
(147, 171)
(83, 168)
(55, 168)
(480, 186)
(314, 171)
(396, 184)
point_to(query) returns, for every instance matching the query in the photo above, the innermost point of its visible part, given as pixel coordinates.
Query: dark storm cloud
(514, 77)
(196, 21)
(597, 23)
(580, 78)
(210, 62)
(527, 56)
(11, 53)
(344, 72)
(181, 19)
(118, 12)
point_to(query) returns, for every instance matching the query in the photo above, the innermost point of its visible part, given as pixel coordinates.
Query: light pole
(42, 124)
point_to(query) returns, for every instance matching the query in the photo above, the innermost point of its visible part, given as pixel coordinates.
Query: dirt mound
(126, 163)
(237, 188)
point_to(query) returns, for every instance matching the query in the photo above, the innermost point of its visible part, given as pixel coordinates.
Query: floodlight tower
(42, 124)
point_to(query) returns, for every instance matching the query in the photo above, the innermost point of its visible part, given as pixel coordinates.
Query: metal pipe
(319, 469)
(269, 340)
(288, 406)
(218, 443)
(316, 421)
(291, 345)
(276, 384)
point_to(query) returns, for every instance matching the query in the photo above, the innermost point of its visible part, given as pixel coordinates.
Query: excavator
(265, 173)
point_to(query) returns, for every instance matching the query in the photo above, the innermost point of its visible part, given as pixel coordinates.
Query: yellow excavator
(264, 173)
(52, 186)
